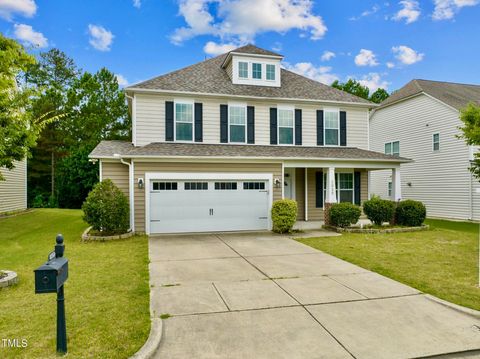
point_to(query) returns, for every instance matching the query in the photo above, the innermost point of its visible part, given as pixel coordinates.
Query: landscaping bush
(344, 214)
(379, 210)
(284, 215)
(106, 209)
(410, 213)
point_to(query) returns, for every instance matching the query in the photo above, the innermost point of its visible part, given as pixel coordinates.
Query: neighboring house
(420, 121)
(215, 143)
(13, 190)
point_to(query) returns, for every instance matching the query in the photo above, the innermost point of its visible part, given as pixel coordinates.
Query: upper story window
(183, 121)
(332, 127)
(285, 126)
(436, 142)
(243, 70)
(237, 123)
(392, 148)
(257, 71)
(270, 72)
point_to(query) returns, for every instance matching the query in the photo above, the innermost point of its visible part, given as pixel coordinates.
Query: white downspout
(471, 196)
(130, 189)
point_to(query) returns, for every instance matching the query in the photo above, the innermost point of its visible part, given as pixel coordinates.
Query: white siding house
(13, 191)
(426, 124)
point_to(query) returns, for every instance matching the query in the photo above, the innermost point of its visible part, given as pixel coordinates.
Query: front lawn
(106, 295)
(442, 261)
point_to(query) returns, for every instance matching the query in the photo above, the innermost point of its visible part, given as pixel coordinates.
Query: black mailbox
(50, 276)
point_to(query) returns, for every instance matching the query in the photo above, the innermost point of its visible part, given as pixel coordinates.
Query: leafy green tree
(379, 95)
(470, 116)
(352, 86)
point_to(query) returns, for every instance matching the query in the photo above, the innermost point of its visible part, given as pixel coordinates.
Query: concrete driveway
(259, 295)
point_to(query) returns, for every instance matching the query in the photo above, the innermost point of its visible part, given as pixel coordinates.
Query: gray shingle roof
(209, 77)
(453, 94)
(252, 49)
(171, 149)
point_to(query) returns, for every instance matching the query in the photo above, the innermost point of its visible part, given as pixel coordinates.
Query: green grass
(106, 295)
(442, 261)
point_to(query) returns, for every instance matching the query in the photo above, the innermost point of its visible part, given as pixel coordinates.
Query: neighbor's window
(183, 121)
(237, 119)
(285, 126)
(436, 141)
(243, 70)
(270, 72)
(389, 189)
(332, 127)
(257, 71)
(344, 186)
(392, 148)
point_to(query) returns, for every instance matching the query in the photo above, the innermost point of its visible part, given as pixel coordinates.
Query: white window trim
(248, 70)
(325, 110)
(184, 102)
(337, 188)
(237, 104)
(285, 108)
(391, 147)
(433, 142)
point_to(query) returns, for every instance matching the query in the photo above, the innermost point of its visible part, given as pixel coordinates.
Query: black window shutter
(319, 189)
(273, 126)
(250, 124)
(320, 127)
(298, 127)
(343, 128)
(357, 188)
(198, 122)
(224, 123)
(169, 121)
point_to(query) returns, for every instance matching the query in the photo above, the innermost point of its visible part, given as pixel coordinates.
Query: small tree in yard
(284, 215)
(106, 209)
(470, 116)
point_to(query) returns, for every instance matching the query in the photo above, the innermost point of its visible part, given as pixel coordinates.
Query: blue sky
(383, 44)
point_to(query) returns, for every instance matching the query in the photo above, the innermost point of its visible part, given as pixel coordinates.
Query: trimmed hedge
(106, 209)
(344, 214)
(410, 213)
(379, 210)
(284, 215)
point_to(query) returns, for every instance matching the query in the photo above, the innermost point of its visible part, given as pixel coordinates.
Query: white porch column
(306, 194)
(396, 185)
(331, 191)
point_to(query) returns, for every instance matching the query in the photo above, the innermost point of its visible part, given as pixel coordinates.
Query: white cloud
(277, 47)
(410, 11)
(373, 81)
(137, 3)
(322, 74)
(8, 8)
(366, 58)
(390, 65)
(235, 19)
(122, 81)
(214, 49)
(369, 12)
(29, 37)
(327, 56)
(406, 55)
(100, 38)
(446, 9)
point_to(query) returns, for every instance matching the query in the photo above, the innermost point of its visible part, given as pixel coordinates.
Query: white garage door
(208, 205)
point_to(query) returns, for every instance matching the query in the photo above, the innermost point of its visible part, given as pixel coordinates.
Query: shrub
(379, 210)
(284, 215)
(344, 214)
(410, 213)
(106, 209)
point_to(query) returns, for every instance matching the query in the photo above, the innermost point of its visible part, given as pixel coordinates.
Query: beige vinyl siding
(300, 192)
(314, 213)
(150, 119)
(13, 190)
(141, 168)
(363, 186)
(440, 179)
(118, 173)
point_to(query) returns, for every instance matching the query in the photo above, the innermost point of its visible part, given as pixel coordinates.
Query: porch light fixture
(140, 183)
(277, 183)
(409, 184)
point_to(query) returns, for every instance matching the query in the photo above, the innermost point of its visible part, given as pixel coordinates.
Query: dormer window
(257, 71)
(270, 72)
(243, 70)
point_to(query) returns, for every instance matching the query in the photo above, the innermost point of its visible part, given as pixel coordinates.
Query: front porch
(315, 186)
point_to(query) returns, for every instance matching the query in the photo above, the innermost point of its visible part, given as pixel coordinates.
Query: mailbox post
(50, 278)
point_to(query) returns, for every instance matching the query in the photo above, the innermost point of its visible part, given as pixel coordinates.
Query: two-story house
(420, 121)
(215, 143)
